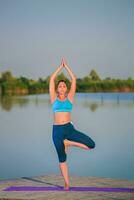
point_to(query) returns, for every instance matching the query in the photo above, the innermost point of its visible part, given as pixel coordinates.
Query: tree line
(10, 85)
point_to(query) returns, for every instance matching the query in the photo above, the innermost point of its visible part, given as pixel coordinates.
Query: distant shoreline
(10, 85)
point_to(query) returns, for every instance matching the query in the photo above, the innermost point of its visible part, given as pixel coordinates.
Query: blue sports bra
(62, 106)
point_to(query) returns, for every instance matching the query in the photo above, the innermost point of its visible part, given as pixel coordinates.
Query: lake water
(27, 149)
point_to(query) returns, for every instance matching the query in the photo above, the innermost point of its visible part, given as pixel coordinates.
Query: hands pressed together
(63, 62)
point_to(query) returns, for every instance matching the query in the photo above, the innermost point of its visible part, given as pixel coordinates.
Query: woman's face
(62, 88)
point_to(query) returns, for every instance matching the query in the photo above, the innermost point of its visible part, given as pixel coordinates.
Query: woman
(64, 133)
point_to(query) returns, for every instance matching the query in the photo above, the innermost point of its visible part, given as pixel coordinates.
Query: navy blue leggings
(67, 131)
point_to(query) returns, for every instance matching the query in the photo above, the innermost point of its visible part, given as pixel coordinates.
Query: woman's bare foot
(66, 144)
(69, 143)
(66, 187)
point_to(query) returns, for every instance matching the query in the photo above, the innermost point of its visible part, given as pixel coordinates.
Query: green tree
(94, 76)
(7, 76)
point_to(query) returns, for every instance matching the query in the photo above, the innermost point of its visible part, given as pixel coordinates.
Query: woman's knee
(60, 151)
(62, 159)
(91, 144)
(62, 156)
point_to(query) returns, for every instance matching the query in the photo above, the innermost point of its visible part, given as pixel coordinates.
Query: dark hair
(62, 80)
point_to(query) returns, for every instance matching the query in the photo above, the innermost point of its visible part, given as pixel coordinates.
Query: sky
(90, 34)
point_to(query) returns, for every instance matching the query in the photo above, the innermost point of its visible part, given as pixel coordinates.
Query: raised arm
(52, 91)
(73, 82)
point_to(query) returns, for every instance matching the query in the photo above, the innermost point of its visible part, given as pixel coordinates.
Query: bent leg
(78, 136)
(72, 143)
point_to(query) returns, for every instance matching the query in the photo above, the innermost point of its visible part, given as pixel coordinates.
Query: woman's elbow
(74, 78)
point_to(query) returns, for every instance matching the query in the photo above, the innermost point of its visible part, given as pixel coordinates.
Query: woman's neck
(62, 97)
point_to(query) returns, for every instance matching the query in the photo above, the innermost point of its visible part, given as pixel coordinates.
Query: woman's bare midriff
(62, 117)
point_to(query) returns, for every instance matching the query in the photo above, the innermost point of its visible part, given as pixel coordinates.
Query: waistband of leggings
(62, 125)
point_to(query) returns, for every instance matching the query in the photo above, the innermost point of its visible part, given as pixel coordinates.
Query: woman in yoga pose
(64, 132)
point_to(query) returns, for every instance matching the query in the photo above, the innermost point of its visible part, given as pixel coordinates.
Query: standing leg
(60, 148)
(64, 170)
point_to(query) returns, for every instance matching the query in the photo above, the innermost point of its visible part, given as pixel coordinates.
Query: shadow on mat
(39, 181)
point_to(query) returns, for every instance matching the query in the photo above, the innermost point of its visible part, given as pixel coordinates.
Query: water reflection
(91, 101)
(93, 106)
(9, 102)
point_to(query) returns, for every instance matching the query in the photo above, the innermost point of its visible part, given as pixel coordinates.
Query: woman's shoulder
(52, 100)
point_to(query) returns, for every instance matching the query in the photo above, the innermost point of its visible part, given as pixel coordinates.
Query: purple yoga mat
(45, 188)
